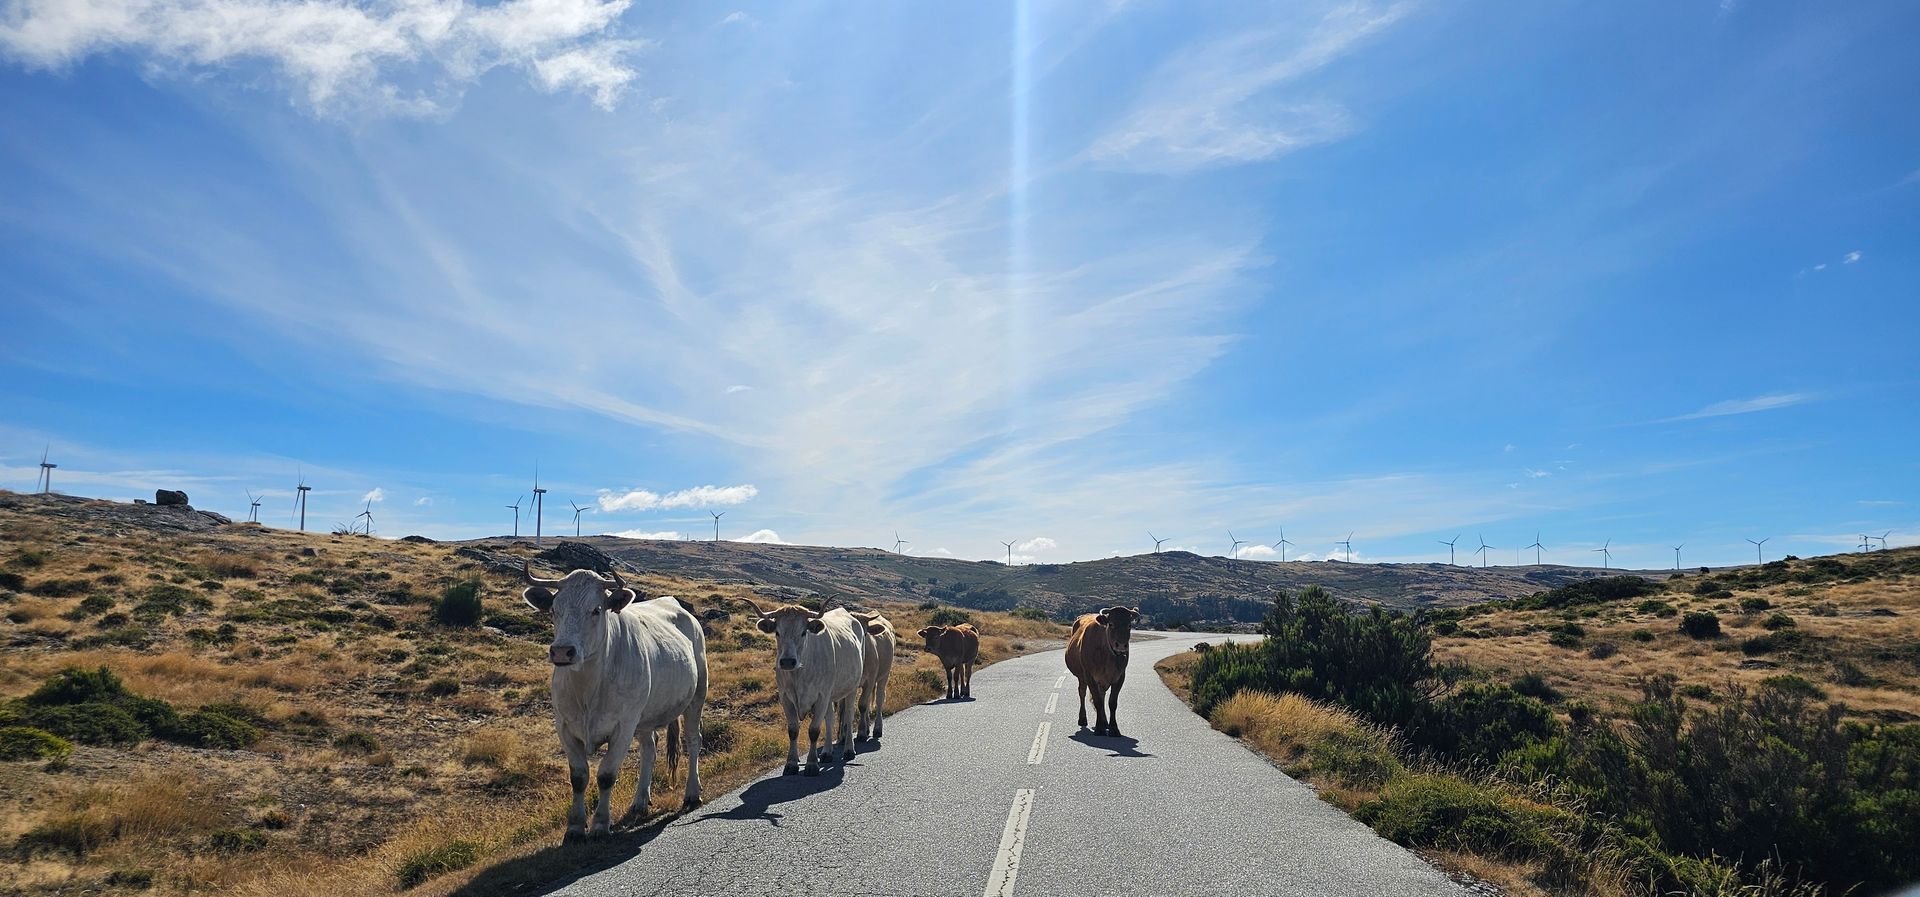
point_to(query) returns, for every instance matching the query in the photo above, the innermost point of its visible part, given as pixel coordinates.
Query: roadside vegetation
(251, 711)
(1502, 739)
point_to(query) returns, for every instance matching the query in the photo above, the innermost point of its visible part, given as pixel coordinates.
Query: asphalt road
(1003, 794)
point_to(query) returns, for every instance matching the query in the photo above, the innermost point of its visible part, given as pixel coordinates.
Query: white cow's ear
(767, 624)
(876, 629)
(618, 599)
(539, 599)
(815, 625)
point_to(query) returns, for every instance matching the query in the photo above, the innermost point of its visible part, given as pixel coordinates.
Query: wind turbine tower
(716, 523)
(1482, 551)
(1233, 548)
(253, 512)
(1282, 545)
(46, 471)
(1009, 551)
(1537, 548)
(1449, 545)
(1882, 538)
(897, 542)
(577, 508)
(539, 504)
(1758, 556)
(516, 515)
(368, 513)
(1348, 544)
(1606, 554)
(1157, 541)
(1676, 555)
(302, 491)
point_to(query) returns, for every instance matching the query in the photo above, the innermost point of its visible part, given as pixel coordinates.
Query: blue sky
(1054, 273)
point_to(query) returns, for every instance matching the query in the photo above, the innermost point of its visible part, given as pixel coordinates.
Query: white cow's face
(790, 626)
(580, 605)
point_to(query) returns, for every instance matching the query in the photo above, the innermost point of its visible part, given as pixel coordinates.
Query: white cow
(878, 668)
(819, 666)
(621, 666)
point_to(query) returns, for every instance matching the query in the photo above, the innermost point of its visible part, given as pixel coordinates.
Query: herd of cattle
(623, 667)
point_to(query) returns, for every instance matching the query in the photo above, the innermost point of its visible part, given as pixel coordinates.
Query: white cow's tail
(673, 748)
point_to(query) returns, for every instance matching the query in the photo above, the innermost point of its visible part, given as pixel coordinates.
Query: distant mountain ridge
(1171, 586)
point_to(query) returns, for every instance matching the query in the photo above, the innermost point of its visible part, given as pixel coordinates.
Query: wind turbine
(1866, 542)
(1537, 548)
(46, 471)
(368, 513)
(897, 542)
(1233, 550)
(1157, 541)
(1883, 539)
(1482, 551)
(716, 523)
(1676, 555)
(1449, 545)
(1348, 542)
(577, 508)
(302, 491)
(516, 515)
(253, 514)
(1282, 545)
(1606, 554)
(1758, 557)
(539, 503)
(1009, 550)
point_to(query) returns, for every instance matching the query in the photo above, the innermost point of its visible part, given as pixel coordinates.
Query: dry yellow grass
(325, 648)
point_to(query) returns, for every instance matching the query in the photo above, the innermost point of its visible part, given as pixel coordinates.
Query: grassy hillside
(327, 728)
(1748, 731)
(1172, 586)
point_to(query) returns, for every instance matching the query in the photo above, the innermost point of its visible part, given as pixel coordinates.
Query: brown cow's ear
(539, 599)
(618, 599)
(767, 624)
(815, 625)
(1101, 618)
(876, 629)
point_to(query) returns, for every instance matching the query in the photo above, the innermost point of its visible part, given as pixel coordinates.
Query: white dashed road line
(1039, 750)
(1059, 682)
(1006, 866)
(1053, 700)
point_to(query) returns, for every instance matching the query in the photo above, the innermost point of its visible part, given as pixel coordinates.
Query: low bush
(435, 861)
(29, 743)
(1535, 686)
(1700, 624)
(949, 616)
(1656, 607)
(238, 839)
(1451, 813)
(92, 723)
(442, 687)
(356, 742)
(1030, 613)
(459, 604)
(1755, 604)
(207, 729)
(1603, 650)
(1779, 621)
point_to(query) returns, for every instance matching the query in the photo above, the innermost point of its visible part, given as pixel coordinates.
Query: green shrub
(1779, 621)
(1755, 604)
(717, 736)
(1535, 686)
(206, 729)
(1447, 812)
(1030, 613)
(449, 857)
(459, 605)
(234, 839)
(1603, 650)
(1642, 635)
(441, 687)
(356, 742)
(949, 616)
(74, 685)
(1588, 591)
(1484, 722)
(29, 743)
(1798, 685)
(93, 723)
(1700, 624)
(1656, 607)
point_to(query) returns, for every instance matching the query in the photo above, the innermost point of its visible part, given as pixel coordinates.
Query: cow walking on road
(1097, 656)
(820, 663)
(958, 648)
(621, 666)
(879, 667)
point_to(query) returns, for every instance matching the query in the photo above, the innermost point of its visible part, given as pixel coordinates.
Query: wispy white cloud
(1218, 102)
(1256, 551)
(1743, 406)
(739, 17)
(376, 495)
(697, 497)
(423, 501)
(406, 56)
(1537, 474)
(1036, 545)
(1850, 257)
(766, 536)
(668, 535)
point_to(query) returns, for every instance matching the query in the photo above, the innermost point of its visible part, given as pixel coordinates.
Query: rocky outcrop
(571, 556)
(169, 498)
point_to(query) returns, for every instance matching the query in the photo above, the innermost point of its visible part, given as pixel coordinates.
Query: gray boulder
(169, 498)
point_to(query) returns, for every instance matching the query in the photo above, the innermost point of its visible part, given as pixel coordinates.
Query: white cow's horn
(526, 573)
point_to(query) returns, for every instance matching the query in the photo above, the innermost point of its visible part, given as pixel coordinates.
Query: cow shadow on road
(758, 801)
(1120, 746)
(562, 864)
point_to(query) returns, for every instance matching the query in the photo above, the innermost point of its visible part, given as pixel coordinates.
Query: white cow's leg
(792, 709)
(617, 748)
(643, 794)
(849, 709)
(814, 721)
(866, 720)
(879, 708)
(690, 740)
(576, 775)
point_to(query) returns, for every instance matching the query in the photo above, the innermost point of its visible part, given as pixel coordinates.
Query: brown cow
(1097, 656)
(958, 648)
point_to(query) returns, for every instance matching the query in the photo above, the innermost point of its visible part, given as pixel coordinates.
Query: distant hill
(1171, 586)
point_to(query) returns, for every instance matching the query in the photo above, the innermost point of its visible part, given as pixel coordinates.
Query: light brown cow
(879, 667)
(1097, 656)
(958, 648)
